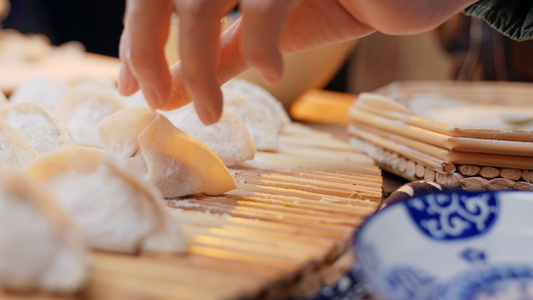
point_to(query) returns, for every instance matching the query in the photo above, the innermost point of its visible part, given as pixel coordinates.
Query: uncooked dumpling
(81, 110)
(42, 90)
(15, 150)
(115, 210)
(39, 246)
(260, 97)
(228, 138)
(178, 164)
(42, 130)
(136, 99)
(90, 82)
(264, 131)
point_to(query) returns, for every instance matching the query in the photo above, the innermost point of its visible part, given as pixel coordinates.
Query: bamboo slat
(286, 231)
(384, 127)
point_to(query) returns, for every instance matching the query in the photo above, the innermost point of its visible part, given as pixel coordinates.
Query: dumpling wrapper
(260, 97)
(137, 99)
(229, 138)
(81, 110)
(40, 247)
(264, 131)
(91, 82)
(42, 130)
(115, 210)
(15, 150)
(178, 164)
(42, 90)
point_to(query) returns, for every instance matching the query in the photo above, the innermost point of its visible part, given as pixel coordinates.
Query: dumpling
(136, 99)
(90, 82)
(81, 110)
(42, 90)
(115, 210)
(263, 130)
(15, 150)
(228, 138)
(178, 164)
(260, 97)
(39, 246)
(42, 130)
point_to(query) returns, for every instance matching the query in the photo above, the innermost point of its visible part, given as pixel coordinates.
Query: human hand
(146, 29)
(266, 29)
(4, 9)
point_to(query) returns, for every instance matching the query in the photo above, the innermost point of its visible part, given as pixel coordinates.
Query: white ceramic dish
(458, 245)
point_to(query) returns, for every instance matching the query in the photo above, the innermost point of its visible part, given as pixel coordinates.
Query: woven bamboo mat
(286, 231)
(454, 144)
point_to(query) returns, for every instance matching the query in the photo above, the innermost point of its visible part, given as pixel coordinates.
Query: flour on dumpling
(40, 247)
(136, 99)
(81, 111)
(44, 91)
(264, 131)
(15, 150)
(178, 164)
(259, 96)
(116, 210)
(228, 138)
(42, 130)
(94, 83)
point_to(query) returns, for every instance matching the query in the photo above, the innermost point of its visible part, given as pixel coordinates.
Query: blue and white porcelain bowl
(458, 245)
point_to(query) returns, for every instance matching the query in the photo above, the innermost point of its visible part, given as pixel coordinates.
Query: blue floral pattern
(454, 215)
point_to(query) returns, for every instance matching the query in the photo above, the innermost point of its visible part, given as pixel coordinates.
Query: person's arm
(267, 29)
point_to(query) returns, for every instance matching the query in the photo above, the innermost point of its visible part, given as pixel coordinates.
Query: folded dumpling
(178, 164)
(91, 82)
(43, 90)
(42, 130)
(228, 138)
(15, 150)
(264, 131)
(116, 210)
(81, 110)
(40, 249)
(260, 97)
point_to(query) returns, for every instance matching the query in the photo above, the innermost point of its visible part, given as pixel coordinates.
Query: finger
(230, 64)
(263, 26)
(199, 51)
(142, 51)
(127, 84)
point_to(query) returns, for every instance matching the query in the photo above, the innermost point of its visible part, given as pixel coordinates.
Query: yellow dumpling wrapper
(178, 164)
(15, 150)
(42, 130)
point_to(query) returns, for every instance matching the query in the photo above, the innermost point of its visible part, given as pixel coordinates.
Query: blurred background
(462, 49)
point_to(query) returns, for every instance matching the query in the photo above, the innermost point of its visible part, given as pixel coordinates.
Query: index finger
(200, 23)
(142, 48)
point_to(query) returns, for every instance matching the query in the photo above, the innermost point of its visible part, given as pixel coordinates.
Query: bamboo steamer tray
(284, 232)
(390, 127)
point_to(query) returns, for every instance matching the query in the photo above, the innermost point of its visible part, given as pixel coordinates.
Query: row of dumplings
(44, 115)
(83, 168)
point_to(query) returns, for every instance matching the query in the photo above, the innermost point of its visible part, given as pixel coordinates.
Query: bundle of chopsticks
(415, 148)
